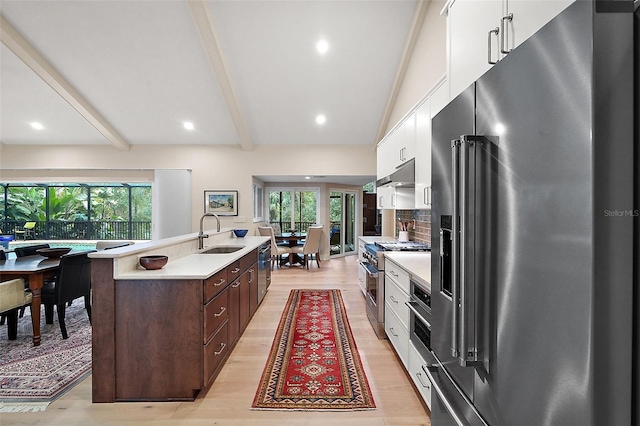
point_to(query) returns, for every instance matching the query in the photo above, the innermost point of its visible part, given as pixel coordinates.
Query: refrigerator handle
(503, 36)
(462, 248)
(455, 247)
(468, 338)
(495, 31)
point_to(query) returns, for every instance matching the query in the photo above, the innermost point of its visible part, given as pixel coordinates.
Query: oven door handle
(371, 270)
(418, 314)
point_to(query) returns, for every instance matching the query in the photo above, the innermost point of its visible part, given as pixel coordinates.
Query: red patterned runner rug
(314, 363)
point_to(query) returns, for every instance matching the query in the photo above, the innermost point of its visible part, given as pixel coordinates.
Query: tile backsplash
(422, 233)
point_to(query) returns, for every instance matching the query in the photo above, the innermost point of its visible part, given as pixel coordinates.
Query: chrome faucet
(201, 234)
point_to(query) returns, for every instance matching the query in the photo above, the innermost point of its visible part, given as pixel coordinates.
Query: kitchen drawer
(214, 284)
(215, 352)
(395, 297)
(234, 271)
(215, 313)
(397, 334)
(248, 260)
(418, 375)
(398, 274)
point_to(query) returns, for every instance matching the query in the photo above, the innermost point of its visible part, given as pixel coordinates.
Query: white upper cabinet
(481, 32)
(437, 100)
(397, 147)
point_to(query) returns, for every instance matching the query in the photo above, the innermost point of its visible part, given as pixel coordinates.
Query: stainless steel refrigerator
(534, 218)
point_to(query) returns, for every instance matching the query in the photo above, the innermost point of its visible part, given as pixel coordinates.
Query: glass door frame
(345, 222)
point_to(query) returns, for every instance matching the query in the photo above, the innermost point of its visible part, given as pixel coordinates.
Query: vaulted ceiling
(243, 72)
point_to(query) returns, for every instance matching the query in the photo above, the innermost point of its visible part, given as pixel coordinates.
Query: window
(78, 210)
(258, 203)
(293, 209)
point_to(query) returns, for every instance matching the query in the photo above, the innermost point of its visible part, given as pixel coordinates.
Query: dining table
(35, 270)
(292, 239)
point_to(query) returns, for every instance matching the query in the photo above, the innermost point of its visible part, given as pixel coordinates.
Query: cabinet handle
(235, 271)
(222, 309)
(419, 377)
(392, 332)
(393, 299)
(427, 195)
(496, 31)
(503, 29)
(236, 285)
(222, 346)
(393, 273)
(393, 200)
(219, 283)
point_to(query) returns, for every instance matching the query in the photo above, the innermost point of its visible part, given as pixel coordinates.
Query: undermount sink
(222, 249)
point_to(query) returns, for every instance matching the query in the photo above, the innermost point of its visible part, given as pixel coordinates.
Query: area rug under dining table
(31, 377)
(314, 363)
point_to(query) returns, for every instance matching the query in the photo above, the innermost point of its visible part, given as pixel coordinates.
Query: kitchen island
(163, 335)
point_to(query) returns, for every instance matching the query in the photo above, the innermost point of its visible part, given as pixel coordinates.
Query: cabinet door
(234, 311)
(253, 288)
(362, 279)
(385, 197)
(245, 297)
(407, 147)
(468, 26)
(422, 189)
(528, 17)
(385, 163)
(418, 375)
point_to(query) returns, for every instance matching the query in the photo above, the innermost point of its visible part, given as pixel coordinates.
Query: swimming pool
(74, 244)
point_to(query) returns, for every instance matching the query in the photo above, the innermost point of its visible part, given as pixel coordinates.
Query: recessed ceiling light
(37, 126)
(322, 47)
(188, 125)
(321, 119)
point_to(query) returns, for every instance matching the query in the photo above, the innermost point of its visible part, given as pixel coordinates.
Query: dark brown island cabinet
(166, 340)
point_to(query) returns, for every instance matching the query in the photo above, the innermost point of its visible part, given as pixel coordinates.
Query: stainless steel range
(373, 262)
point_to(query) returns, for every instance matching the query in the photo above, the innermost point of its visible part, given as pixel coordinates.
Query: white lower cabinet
(362, 278)
(397, 334)
(418, 375)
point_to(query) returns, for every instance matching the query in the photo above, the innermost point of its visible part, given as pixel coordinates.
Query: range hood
(404, 176)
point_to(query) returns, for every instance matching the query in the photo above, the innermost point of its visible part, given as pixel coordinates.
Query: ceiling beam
(34, 60)
(207, 31)
(419, 15)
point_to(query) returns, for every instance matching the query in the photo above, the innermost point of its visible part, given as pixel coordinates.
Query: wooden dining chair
(72, 282)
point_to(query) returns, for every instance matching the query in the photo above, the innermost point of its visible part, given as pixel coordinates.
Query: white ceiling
(244, 72)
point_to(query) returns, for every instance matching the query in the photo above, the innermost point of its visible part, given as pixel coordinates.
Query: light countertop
(185, 262)
(418, 264)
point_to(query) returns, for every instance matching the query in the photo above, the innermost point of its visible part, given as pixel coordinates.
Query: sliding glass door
(342, 213)
(293, 208)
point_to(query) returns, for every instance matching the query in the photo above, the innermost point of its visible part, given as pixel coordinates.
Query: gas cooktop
(402, 246)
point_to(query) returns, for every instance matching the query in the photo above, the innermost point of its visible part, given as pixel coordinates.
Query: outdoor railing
(83, 230)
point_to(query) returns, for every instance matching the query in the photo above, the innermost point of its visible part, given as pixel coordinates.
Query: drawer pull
(236, 285)
(393, 332)
(235, 271)
(222, 346)
(222, 309)
(219, 283)
(394, 274)
(419, 377)
(393, 299)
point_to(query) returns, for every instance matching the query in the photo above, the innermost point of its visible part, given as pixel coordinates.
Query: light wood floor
(228, 400)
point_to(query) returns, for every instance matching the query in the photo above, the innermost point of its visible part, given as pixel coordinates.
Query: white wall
(428, 63)
(213, 167)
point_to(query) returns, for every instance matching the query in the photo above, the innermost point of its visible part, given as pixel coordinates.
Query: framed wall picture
(222, 203)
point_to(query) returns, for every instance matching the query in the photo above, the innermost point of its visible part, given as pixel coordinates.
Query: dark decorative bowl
(53, 253)
(240, 232)
(154, 261)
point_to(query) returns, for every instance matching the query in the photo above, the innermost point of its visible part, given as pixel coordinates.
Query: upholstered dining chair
(13, 297)
(73, 281)
(311, 245)
(29, 250)
(276, 250)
